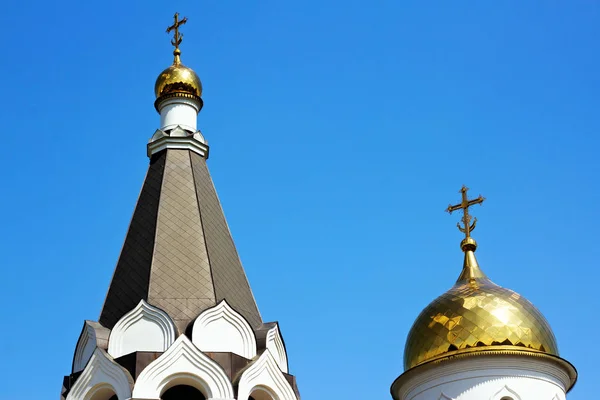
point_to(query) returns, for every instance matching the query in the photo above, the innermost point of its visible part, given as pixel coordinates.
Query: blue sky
(339, 132)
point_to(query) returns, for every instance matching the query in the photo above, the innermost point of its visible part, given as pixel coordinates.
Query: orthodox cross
(178, 37)
(464, 205)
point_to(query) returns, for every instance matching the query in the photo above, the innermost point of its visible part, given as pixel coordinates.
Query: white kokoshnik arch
(222, 329)
(264, 374)
(101, 374)
(145, 328)
(183, 364)
(504, 393)
(92, 335)
(274, 343)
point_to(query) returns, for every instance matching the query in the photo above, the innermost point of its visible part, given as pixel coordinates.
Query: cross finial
(464, 205)
(177, 37)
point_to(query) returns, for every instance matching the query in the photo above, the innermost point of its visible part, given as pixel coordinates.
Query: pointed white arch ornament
(444, 397)
(222, 329)
(505, 392)
(145, 328)
(92, 335)
(183, 363)
(264, 374)
(277, 348)
(101, 373)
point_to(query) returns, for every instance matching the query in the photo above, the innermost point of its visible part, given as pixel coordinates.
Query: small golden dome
(178, 79)
(476, 314)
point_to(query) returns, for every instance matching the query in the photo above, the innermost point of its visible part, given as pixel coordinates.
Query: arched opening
(183, 392)
(261, 393)
(104, 392)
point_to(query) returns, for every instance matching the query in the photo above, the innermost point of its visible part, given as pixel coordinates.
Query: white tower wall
(486, 378)
(179, 111)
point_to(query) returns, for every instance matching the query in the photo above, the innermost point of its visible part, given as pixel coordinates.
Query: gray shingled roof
(178, 254)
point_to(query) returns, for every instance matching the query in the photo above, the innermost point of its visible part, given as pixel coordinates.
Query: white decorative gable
(101, 379)
(264, 375)
(277, 348)
(183, 364)
(505, 393)
(145, 328)
(222, 329)
(178, 138)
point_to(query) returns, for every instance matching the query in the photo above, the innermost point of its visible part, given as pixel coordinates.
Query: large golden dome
(476, 314)
(178, 79)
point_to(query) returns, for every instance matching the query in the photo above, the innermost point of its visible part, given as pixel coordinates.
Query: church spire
(178, 253)
(179, 319)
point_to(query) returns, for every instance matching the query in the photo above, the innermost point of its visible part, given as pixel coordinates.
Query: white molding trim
(145, 328)
(274, 343)
(178, 138)
(505, 392)
(222, 329)
(265, 374)
(183, 363)
(101, 374)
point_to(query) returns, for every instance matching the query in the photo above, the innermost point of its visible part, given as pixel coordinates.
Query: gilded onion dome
(476, 314)
(178, 80)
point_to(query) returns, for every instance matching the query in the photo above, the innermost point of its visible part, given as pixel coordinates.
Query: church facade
(179, 320)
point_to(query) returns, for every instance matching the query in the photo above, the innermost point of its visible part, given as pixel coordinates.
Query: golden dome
(476, 314)
(178, 79)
